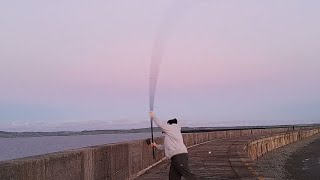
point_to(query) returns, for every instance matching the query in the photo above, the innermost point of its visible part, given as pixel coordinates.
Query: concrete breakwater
(259, 147)
(121, 160)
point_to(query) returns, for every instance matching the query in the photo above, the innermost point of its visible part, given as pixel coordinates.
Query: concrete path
(305, 163)
(219, 159)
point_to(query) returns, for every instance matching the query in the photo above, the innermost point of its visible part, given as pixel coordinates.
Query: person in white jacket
(174, 149)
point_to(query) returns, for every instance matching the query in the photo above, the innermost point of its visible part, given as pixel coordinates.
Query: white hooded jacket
(173, 141)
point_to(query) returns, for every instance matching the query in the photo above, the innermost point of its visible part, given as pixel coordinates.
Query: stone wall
(259, 147)
(119, 161)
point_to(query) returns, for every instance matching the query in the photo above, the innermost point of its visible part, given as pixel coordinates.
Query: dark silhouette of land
(5, 134)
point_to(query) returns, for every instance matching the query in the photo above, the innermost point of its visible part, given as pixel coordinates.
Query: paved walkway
(219, 159)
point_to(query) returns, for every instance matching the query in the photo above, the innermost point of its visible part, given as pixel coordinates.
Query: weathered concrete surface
(305, 162)
(278, 165)
(66, 165)
(263, 145)
(112, 161)
(218, 159)
(231, 158)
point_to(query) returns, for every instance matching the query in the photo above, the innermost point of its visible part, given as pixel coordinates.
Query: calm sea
(13, 148)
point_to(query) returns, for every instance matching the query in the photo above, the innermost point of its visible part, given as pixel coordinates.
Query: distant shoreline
(5, 134)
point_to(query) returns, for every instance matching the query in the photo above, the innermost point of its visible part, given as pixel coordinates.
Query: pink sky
(224, 64)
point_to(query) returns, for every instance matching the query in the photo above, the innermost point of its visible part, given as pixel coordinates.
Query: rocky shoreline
(278, 164)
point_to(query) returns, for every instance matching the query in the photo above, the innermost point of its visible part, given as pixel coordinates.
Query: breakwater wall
(259, 147)
(112, 161)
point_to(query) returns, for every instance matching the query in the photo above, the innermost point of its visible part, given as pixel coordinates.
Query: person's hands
(153, 144)
(151, 114)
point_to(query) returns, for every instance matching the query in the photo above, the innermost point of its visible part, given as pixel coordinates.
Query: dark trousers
(180, 167)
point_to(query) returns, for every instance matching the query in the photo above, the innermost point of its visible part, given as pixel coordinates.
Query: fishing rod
(153, 83)
(157, 52)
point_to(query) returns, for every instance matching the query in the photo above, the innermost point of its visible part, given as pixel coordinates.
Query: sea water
(13, 148)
